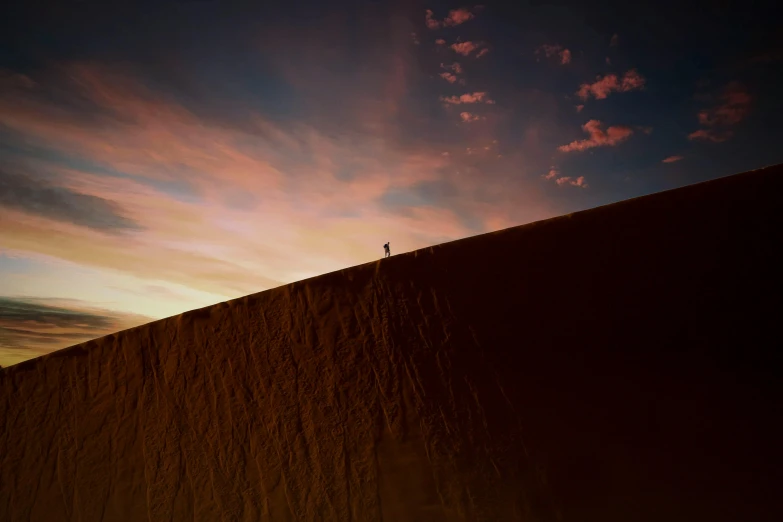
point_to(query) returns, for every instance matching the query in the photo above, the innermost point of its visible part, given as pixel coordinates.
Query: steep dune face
(616, 364)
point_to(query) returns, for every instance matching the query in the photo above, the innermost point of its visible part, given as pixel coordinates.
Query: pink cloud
(733, 109)
(554, 174)
(555, 50)
(415, 39)
(440, 41)
(465, 48)
(734, 106)
(615, 40)
(672, 159)
(467, 117)
(482, 53)
(631, 81)
(598, 138)
(566, 180)
(549, 50)
(448, 77)
(710, 135)
(457, 17)
(430, 21)
(476, 97)
(456, 67)
(736, 96)
(602, 87)
(579, 108)
(579, 182)
(584, 91)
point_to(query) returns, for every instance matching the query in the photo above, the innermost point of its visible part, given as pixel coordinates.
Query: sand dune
(614, 365)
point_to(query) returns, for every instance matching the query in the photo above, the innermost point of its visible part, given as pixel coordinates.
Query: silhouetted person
(386, 249)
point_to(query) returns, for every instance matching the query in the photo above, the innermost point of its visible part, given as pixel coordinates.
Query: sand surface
(615, 365)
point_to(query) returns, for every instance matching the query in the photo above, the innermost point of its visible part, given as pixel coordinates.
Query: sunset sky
(161, 157)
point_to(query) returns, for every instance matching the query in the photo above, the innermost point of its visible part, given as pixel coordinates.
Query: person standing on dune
(386, 249)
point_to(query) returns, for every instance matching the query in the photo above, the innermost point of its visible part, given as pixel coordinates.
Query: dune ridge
(615, 364)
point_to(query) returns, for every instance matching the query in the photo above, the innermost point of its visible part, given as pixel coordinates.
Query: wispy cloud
(139, 146)
(456, 67)
(40, 197)
(440, 41)
(671, 159)
(579, 108)
(30, 327)
(598, 137)
(603, 86)
(552, 174)
(615, 40)
(16, 80)
(232, 208)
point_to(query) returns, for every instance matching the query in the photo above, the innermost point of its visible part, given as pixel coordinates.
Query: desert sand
(613, 365)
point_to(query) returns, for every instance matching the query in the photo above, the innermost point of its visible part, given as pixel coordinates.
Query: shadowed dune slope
(618, 364)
